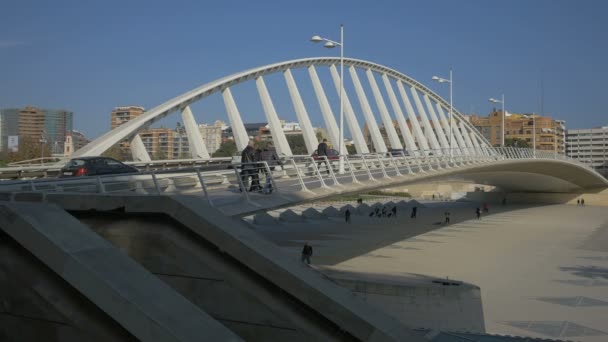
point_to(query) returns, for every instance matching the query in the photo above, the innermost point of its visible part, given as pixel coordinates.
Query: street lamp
(443, 80)
(42, 142)
(332, 44)
(493, 100)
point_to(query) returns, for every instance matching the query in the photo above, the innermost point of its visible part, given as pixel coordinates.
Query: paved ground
(543, 271)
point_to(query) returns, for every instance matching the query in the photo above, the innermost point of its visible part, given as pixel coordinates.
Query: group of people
(384, 212)
(252, 166)
(581, 202)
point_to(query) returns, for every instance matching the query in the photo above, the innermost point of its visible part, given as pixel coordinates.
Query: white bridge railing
(294, 174)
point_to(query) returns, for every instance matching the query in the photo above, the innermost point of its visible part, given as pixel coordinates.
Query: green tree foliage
(116, 152)
(227, 149)
(160, 155)
(515, 142)
(29, 148)
(351, 149)
(297, 144)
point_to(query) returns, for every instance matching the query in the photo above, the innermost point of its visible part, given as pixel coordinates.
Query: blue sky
(90, 56)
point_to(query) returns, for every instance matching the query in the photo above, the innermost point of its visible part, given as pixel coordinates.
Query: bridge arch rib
(181, 102)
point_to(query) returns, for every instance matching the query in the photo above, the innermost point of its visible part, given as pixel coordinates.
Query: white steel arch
(130, 129)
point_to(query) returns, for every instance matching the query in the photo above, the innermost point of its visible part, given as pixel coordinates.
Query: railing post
(331, 170)
(397, 172)
(407, 163)
(302, 184)
(241, 184)
(369, 173)
(269, 174)
(350, 168)
(384, 174)
(318, 173)
(203, 186)
(156, 185)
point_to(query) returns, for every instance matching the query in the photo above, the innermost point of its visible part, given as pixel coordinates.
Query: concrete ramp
(146, 307)
(290, 216)
(313, 214)
(239, 278)
(263, 217)
(331, 212)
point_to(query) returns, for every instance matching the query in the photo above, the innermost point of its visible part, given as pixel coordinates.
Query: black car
(94, 166)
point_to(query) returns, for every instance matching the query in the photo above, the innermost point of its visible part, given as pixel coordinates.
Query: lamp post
(42, 142)
(332, 44)
(493, 100)
(443, 80)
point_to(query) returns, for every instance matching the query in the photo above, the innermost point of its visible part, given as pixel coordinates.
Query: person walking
(478, 213)
(384, 211)
(306, 253)
(485, 207)
(414, 212)
(578, 202)
(447, 216)
(270, 156)
(347, 216)
(394, 211)
(247, 166)
(322, 155)
(582, 202)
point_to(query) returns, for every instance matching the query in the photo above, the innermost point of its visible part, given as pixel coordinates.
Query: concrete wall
(37, 305)
(420, 301)
(243, 302)
(599, 198)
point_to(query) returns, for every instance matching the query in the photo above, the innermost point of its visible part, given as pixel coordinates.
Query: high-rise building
(35, 124)
(549, 133)
(212, 135)
(590, 146)
(158, 142)
(123, 114)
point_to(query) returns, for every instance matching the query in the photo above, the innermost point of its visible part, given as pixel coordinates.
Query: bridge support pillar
(138, 150)
(422, 142)
(310, 139)
(374, 131)
(391, 133)
(198, 150)
(278, 136)
(349, 114)
(238, 129)
(410, 145)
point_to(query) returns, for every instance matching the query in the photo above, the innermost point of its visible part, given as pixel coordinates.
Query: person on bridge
(270, 156)
(248, 166)
(306, 253)
(322, 155)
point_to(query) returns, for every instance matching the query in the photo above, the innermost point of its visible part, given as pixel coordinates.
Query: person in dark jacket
(322, 154)
(247, 165)
(270, 156)
(306, 253)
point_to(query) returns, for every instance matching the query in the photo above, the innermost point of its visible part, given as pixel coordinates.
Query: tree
(351, 149)
(297, 144)
(227, 149)
(516, 142)
(160, 154)
(116, 152)
(29, 148)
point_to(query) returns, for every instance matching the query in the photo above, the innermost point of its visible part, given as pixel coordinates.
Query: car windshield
(75, 163)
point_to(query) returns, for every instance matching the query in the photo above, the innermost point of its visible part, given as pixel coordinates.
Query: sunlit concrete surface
(543, 271)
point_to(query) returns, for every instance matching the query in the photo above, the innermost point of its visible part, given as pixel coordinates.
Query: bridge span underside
(531, 176)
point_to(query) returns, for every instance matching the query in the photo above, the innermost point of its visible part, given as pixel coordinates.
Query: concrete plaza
(543, 271)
